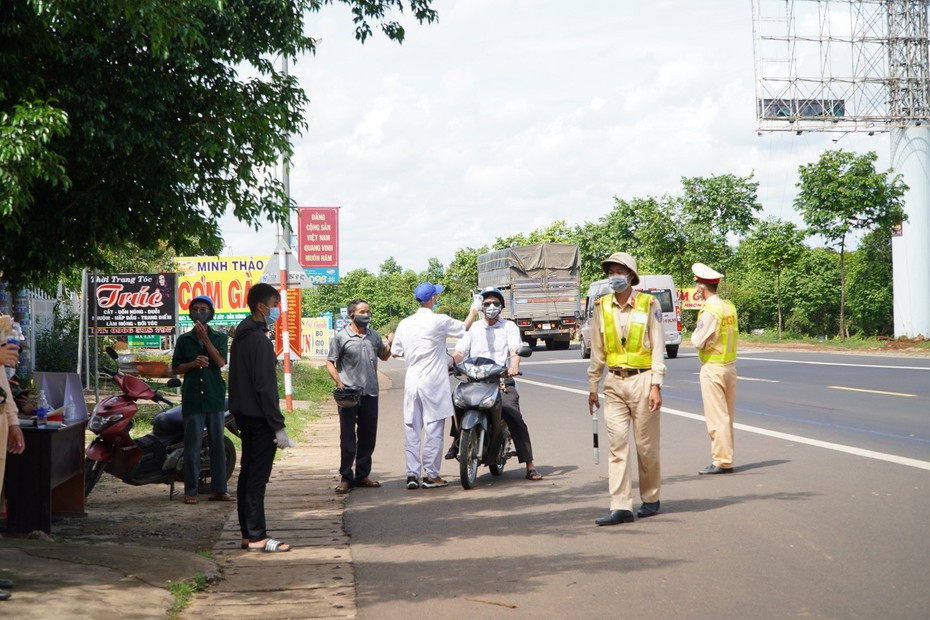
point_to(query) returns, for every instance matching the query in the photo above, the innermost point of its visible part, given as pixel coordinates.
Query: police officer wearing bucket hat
(628, 342)
(715, 339)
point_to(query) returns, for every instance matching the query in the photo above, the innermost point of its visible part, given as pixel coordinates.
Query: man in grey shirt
(353, 361)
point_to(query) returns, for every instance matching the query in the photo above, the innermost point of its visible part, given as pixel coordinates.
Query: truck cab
(659, 286)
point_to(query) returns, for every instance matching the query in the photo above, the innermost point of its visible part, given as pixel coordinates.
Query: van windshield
(665, 298)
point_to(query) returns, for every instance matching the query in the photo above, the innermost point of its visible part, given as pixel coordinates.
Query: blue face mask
(274, 314)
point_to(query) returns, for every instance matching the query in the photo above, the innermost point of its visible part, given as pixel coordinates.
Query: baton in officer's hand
(597, 452)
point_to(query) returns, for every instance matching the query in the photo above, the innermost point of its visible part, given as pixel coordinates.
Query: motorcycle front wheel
(468, 457)
(93, 470)
(500, 459)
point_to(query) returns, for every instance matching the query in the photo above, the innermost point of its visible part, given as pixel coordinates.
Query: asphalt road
(826, 516)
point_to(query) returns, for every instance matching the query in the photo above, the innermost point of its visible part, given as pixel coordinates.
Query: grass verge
(183, 592)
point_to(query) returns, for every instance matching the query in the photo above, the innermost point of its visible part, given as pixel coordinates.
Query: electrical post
(282, 255)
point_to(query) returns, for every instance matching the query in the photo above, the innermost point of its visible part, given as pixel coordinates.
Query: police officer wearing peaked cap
(628, 342)
(715, 339)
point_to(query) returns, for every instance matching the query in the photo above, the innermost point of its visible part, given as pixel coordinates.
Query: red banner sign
(318, 236)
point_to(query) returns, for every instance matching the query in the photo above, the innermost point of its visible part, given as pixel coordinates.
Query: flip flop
(533, 475)
(342, 488)
(221, 497)
(271, 545)
(190, 499)
(367, 483)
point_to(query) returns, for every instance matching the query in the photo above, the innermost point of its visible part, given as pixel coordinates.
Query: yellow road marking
(840, 387)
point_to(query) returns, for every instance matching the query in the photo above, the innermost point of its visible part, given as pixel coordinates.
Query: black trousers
(510, 411)
(358, 429)
(258, 450)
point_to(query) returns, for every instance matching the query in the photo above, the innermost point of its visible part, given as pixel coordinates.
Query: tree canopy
(841, 194)
(125, 123)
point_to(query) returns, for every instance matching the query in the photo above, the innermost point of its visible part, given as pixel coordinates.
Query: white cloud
(504, 117)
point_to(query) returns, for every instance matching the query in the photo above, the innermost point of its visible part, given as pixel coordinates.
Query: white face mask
(619, 283)
(491, 310)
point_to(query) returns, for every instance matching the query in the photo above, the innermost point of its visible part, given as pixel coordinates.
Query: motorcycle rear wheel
(93, 470)
(206, 476)
(468, 458)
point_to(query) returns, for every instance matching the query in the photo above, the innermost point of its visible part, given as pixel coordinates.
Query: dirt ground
(118, 512)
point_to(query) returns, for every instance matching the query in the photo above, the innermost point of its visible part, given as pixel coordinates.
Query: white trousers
(431, 447)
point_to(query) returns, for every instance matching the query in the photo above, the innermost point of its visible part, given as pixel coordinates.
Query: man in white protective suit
(421, 340)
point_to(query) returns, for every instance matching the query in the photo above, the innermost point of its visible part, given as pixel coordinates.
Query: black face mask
(362, 320)
(203, 316)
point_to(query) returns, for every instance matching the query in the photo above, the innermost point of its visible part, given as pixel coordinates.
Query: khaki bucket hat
(622, 258)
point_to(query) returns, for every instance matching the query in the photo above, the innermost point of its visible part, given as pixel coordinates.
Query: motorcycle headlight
(458, 401)
(98, 422)
(488, 402)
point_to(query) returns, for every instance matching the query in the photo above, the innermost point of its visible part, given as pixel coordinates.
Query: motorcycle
(157, 457)
(484, 438)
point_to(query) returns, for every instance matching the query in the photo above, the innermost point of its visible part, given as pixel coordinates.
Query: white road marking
(840, 387)
(871, 454)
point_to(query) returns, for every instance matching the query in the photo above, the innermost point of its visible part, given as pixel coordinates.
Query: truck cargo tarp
(530, 261)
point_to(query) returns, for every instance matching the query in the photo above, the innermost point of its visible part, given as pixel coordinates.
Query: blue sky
(507, 115)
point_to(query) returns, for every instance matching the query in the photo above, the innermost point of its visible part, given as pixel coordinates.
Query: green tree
(871, 302)
(124, 123)
(841, 194)
(434, 271)
(390, 266)
(812, 293)
(773, 246)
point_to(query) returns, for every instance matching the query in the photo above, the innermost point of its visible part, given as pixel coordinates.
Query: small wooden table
(47, 478)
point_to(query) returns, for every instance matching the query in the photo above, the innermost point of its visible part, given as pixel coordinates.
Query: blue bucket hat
(425, 291)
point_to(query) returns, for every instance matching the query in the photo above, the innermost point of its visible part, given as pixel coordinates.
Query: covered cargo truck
(542, 285)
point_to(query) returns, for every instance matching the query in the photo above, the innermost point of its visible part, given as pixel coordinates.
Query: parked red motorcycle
(157, 457)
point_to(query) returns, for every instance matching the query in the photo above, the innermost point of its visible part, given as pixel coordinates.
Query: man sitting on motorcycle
(498, 339)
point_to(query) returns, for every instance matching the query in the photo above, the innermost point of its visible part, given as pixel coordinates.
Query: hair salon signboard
(131, 304)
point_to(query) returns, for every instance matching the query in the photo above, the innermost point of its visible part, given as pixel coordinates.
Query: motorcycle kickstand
(171, 491)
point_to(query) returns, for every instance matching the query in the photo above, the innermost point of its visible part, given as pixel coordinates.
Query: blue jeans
(193, 434)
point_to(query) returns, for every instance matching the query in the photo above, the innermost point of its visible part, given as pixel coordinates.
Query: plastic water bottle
(68, 416)
(42, 410)
(15, 337)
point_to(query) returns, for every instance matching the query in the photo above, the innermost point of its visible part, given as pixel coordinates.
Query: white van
(661, 287)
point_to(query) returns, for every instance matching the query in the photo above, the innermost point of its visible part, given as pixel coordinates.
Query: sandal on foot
(190, 499)
(367, 483)
(533, 475)
(342, 488)
(221, 497)
(270, 545)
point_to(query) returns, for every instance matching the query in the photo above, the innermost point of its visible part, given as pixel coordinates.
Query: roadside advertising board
(315, 340)
(224, 279)
(689, 299)
(293, 326)
(131, 304)
(318, 243)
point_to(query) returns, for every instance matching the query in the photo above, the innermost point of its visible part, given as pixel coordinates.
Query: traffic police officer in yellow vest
(715, 340)
(627, 339)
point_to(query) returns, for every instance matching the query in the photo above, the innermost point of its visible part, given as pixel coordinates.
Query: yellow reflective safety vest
(723, 350)
(631, 353)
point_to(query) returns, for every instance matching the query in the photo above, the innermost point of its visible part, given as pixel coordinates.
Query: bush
(57, 346)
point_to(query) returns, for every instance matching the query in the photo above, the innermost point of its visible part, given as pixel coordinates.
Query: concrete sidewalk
(313, 580)
(64, 580)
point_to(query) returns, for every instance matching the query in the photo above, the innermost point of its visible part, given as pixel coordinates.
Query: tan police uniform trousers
(718, 389)
(626, 401)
